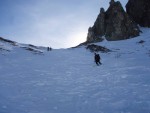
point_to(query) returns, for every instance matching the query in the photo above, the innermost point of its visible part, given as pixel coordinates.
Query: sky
(53, 23)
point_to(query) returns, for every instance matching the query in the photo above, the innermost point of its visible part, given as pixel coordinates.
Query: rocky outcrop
(99, 25)
(92, 37)
(8, 45)
(96, 32)
(114, 24)
(118, 24)
(7, 41)
(139, 10)
(97, 48)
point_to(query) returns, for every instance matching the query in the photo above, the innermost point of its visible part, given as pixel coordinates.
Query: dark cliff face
(96, 32)
(118, 24)
(114, 24)
(99, 25)
(139, 10)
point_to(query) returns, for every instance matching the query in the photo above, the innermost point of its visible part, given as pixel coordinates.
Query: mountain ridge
(7, 45)
(113, 24)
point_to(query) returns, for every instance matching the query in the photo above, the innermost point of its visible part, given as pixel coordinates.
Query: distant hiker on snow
(49, 48)
(97, 59)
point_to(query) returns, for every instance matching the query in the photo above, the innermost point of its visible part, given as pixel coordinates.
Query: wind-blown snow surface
(68, 81)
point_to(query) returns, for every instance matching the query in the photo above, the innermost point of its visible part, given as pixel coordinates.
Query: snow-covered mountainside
(34, 80)
(8, 46)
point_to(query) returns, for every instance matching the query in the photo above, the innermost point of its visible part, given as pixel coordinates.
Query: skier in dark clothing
(97, 59)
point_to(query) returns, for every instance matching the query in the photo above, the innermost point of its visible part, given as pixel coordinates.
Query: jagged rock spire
(114, 24)
(111, 2)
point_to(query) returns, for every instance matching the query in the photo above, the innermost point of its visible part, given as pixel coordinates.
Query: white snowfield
(68, 80)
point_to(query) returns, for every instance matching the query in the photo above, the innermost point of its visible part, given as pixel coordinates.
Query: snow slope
(68, 81)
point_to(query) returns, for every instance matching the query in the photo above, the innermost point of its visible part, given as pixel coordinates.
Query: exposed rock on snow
(141, 42)
(7, 41)
(2, 49)
(34, 50)
(97, 48)
(7, 45)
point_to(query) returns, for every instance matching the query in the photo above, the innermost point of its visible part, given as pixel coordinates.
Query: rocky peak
(111, 2)
(96, 32)
(114, 24)
(118, 24)
(143, 9)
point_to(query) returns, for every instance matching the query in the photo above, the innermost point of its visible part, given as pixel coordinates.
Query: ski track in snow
(68, 81)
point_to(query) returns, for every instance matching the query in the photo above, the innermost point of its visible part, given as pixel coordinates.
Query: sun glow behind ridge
(59, 24)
